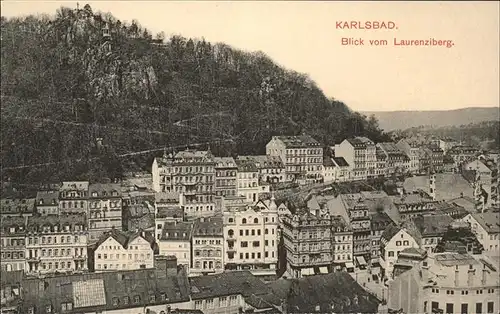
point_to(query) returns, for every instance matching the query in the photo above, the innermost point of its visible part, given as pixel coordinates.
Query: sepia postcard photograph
(234, 157)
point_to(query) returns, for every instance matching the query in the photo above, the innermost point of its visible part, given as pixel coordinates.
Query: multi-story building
(447, 144)
(175, 241)
(167, 209)
(342, 243)
(251, 238)
(308, 243)
(435, 156)
(448, 283)
(56, 244)
(105, 209)
(361, 155)
(208, 246)
(360, 224)
(486, 177)
(486, 227)
(393, 241)
(462, 154)
(226, 172)
(381, 169)
(117, 250)
(13, 243)
(396, 161)
(379, 221)
(412, 205)
(411, 149)
(427, 230)
(47, 203)
(17, 207)
(424, 161)
(190, 173)
(73, 197)
(271, 168)
(302, 156)
(329, 170)
(248, 180)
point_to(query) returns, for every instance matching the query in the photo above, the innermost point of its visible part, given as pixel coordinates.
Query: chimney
(317, 212)
(457, 277)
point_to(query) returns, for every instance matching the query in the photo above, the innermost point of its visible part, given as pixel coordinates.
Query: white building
(105, 208)
(117, 250)
(56, 244)
(486, 226)
(360, 155)
(271, 168)
(342, 171)
(302, 156)
(329, 170)
(248, 180)
(411, 149)
(167, 209)
(251, 239)
(392, 242)
(175, 241)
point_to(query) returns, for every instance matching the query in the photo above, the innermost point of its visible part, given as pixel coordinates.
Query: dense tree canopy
(80, 75)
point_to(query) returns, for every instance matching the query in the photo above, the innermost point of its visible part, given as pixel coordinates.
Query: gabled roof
(390, 232)
(224, 162)
(75, 186)
(208, 226)
(264, 161)
(101, 190)
(340, 162)
(125, 238)
(69, 219)
(245, 165)
(328, 162)
(167, 197)
(490, 221)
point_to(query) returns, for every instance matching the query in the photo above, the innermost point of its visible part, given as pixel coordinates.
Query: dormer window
(12, 229)
(137, 299)
(94, 194)
(152, 298)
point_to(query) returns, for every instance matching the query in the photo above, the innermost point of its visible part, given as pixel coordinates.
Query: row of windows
(208, 253)
(225, 182)
(225, 173)
(54, 239)
(405, 243)
(112, 204)
(61, 265)
(115, 266)
(12, 242)
(216, 303)
(210, 242)
(464, 308)
(12, 255)
(247, 175)
(304, 151)
(254, 255)
(190, 169)
(70, 204)
(56, 252)
(208, 265)
(124, 256)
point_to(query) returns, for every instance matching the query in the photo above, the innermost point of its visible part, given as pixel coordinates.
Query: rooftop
(125, 238)
(454, 259)
(47, 198)
(264, 161)
(448, 186)
(176, 231)
(224, 162)
(75, 186)
(210, 226)
(490, 221)
(104, 190)
(301, 141)
(60, 221)
(340, 162)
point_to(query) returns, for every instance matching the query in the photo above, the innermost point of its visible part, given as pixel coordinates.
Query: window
(244, 221)
(435, 305)
(137, 299)
(244, 244)
(465, 308)
(406, 242)
(198, 304)
(115, 301)
(449, 308)
(490, 307)
(479, 308)
(398, 243)
(391, 253)
(256, 221)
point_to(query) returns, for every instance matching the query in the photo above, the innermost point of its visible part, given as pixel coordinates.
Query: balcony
(80, 258)
(33, 259)
(231, 238)
(231, 249)
(190, 193)
(190, 183)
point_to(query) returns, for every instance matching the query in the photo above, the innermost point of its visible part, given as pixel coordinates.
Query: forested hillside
(72, 78)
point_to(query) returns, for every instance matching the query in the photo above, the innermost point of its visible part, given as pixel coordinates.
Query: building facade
(208, 246)
(47, 202)
(248, 180)
(302, 156)
(393, 241)
(251, 239)
(13, 243)
(411, 149)
(118, 250)
(486, 227)
(105, 209)
(56, 244)
(361, 155)
(190, 173)
(226, 173)
(73, 197)
(271, 168)
(175, 241)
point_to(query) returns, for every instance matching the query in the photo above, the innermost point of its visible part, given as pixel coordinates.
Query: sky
(302, 36)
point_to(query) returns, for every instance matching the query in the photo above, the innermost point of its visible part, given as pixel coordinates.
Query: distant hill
(85, 96)
(395, 120)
